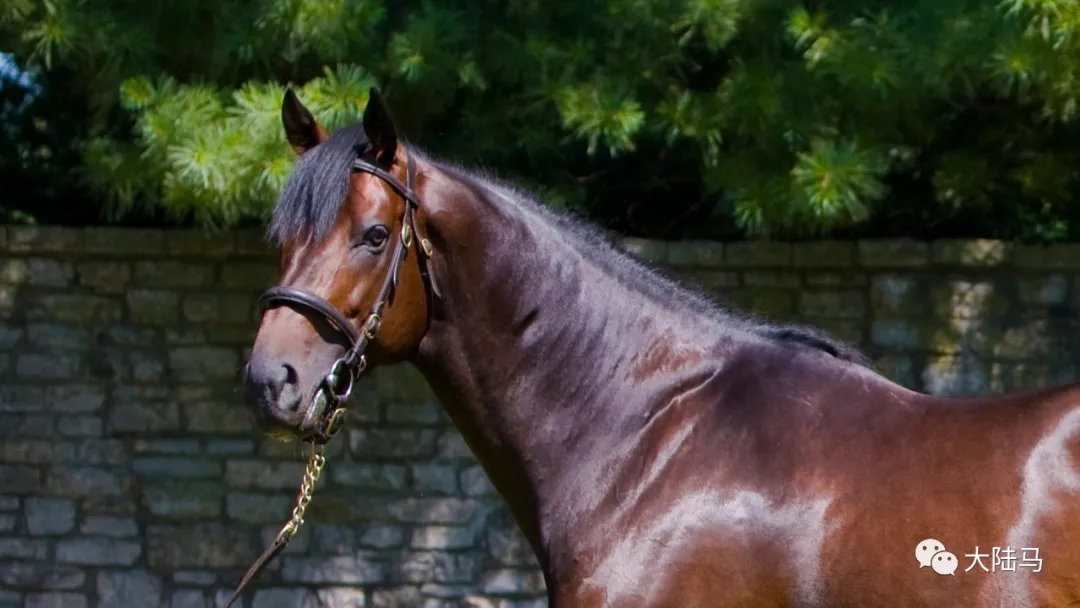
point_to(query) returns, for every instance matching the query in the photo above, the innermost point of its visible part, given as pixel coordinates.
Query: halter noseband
(325, 414)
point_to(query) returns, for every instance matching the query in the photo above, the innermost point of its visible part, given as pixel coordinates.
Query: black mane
(318, 186)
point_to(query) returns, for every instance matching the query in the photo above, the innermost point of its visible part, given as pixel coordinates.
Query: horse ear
(301, 128)
(379, 127)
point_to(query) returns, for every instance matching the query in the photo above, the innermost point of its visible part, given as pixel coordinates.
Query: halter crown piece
(326, 413)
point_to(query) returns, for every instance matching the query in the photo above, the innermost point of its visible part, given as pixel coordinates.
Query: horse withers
(655, 449)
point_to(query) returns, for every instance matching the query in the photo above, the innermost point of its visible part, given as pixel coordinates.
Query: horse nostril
(290, 378)
(288, 390)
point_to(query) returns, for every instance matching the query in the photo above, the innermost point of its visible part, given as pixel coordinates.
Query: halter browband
(326, 414)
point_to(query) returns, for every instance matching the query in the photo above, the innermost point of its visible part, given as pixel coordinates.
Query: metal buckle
(372, 325)
(337, 420)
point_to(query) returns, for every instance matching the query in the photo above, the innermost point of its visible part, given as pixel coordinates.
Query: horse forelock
(316, 189)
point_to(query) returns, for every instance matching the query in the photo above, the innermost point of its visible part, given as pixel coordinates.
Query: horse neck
(542, 358)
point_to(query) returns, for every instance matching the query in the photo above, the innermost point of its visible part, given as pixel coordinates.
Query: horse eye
(376, 236)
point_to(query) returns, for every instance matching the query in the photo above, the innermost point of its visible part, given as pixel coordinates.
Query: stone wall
(131, 475)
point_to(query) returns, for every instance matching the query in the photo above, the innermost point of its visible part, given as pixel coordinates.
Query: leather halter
(325, 414)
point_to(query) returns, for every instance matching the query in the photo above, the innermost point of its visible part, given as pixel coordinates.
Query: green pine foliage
(665, 118)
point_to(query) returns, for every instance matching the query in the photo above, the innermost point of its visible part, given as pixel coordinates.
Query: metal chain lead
(307, 489)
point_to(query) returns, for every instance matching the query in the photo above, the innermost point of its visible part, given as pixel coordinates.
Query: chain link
(307, 489)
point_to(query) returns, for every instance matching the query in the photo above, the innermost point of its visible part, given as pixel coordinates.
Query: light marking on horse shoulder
(631, 569)
(1049, 469)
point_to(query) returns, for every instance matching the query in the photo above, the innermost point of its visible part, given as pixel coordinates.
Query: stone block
(153, 307)
(218, 417)
(430, 566)
(397, 597)
(694, 254)
(835, 304)
(512, 582)
(253, 243)
(23, 548)
(73, 398)
(772, 278)
(189, 598)
(893, 253)
(758, 254)
(128, 589)
(85, 482)
(1050, 290)
(342, 597)
(1062, 256)
(90, 451)
(230, 447)
(44, 239)
(823, 254)
(261, 475)
(428, 414)
(183, 499)
(199, 578)
(382, 536)
(432, 510)
(176, 467)
(104, 525)
(200, 545)
(360, 568)
(45, 272)
(393, 443)
(835, 279)
(75, 308)
(248, 275)
(56, 599)
(429, 478)
(104, 277)
(48, 366)
(956, 298)
(257, 507)
(79, 425)
(334, 539)
(219, 307)
(973, 252)
(28, 451)
(37, 576)
(171, 273)
(20, 479)
(296, 597)
(167, 446)
(31, 426)
(203, 363)
(144, 417)
(200, 243)
(49, 516)
(124, 241)
(899, 294)
(10, 336)
(442, 538)
(384, 477)
(98, 551)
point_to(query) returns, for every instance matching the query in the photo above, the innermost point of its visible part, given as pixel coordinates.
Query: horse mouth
(316, 422)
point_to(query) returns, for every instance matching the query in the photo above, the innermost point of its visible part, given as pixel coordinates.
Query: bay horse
(655, 448)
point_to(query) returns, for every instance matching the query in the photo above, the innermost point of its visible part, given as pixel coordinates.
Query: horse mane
(318, 186)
